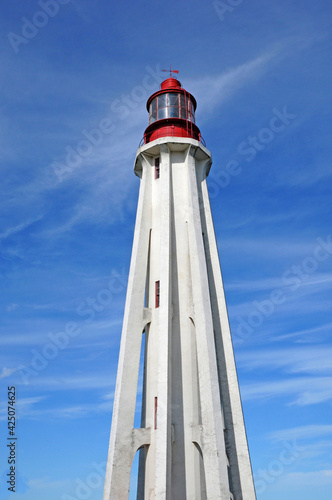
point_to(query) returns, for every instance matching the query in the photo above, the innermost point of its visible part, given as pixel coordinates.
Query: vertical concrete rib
(122, 447)
(212, 438)
(237, 448)
(163, 447)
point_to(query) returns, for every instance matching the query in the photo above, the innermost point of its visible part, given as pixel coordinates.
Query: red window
(155, 412)
(157, 293)
(156, 168)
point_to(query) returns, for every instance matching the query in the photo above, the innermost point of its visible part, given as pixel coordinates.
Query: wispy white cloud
(24, 406)
(306, 390)
(69, 382)
(270, 247)
(211, 91)
(11, 307)
(321, 170)
(264, 219)
(261, 284)
(19, 227)
(299, 480)
(30, 408)
(316, 360)
(309, 296)
(7, 372)
(21, 339)
(46, 483)
(106, 173)
(302, 432)
(106, 178)
(308, 286)
(89, 335)
(307, 334)
(109, 396)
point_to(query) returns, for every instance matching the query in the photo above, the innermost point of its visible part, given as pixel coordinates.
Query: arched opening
(134, 478)
(200, 477)
(139, 420)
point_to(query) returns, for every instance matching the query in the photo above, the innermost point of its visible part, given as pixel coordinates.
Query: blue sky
(73, 93)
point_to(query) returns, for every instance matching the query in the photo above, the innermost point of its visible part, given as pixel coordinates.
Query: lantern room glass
(171, 105)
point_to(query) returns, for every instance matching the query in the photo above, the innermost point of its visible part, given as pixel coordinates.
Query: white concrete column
(212, 429)
(124, 440)
(238, 453)
(191, 397)
(163, 414)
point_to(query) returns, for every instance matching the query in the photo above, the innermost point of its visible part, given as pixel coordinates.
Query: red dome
(170, 83)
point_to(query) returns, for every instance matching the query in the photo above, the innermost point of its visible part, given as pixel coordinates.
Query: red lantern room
(171, 113)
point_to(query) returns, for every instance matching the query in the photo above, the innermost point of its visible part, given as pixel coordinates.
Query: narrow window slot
(157, 293)
(155, 412)
(156, 168)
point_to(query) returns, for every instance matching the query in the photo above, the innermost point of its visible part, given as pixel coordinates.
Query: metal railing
(146, 138)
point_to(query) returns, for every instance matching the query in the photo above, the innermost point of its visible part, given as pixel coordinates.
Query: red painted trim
(173, 127)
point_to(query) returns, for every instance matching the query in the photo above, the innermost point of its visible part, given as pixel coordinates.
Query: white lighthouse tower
(192, 438)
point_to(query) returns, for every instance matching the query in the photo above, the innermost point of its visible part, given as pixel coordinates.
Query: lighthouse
(192, 440)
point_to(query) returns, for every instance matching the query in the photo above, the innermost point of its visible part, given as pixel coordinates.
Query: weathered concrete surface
(193, 436)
